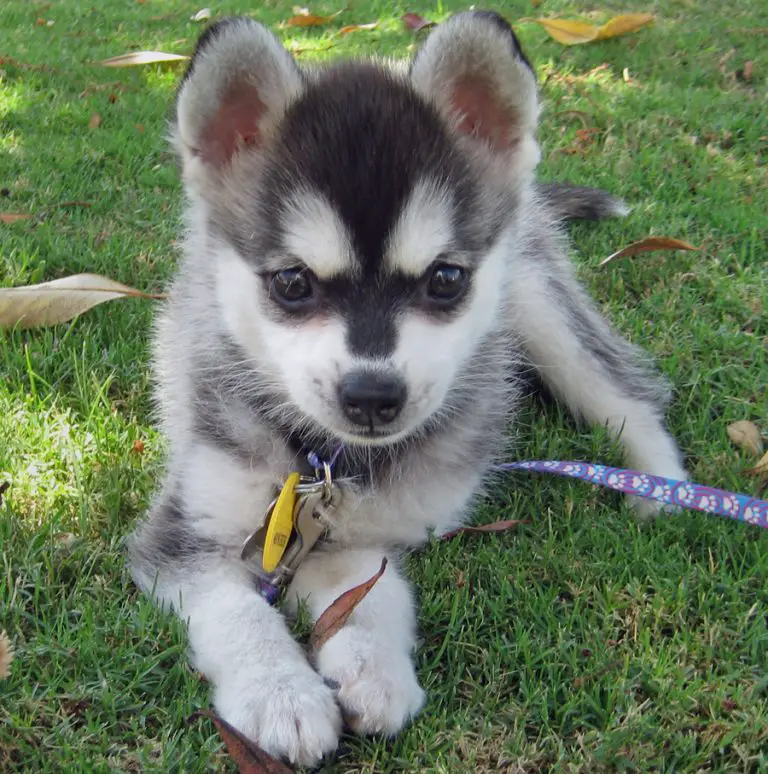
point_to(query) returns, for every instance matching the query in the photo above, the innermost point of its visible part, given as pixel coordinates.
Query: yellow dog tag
(280, 524)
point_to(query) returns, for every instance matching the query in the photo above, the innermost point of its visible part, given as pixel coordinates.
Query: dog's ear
(473, 69)
(236, 88)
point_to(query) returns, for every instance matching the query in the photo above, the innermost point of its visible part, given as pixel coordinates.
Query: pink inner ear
(482, 116)
(235, 124)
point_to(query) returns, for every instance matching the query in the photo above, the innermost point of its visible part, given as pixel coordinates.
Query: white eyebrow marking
(314, 233)
(423, 230)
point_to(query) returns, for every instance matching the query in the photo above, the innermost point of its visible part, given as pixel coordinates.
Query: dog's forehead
(362, 152)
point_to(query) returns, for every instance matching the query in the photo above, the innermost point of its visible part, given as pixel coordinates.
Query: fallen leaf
(202, 15)
(60, 300)
(337, 613)
(138, 446)
(95, 121)
(623, 25)
(416, 23)
(12, 217)
(496, 526)
(761, 469)
(304, 18)
(6, 655)
(746, 73)
(356, 27)
(746, 435)
(136, 58)
(648, 245)
(568, 33)
(571, 33)
(250, 758)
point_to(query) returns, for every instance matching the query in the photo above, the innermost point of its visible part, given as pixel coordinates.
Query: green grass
(581, 641)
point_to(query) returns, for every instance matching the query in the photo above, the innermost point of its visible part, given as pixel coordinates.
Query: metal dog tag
(308, 529)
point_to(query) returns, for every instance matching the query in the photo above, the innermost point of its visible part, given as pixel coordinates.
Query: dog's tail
(578, 202)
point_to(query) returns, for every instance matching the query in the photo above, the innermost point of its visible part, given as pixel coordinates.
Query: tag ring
(327, 484)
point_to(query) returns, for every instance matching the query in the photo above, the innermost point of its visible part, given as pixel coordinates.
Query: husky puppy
(368, 263)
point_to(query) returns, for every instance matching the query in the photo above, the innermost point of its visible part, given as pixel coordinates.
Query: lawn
(580, 641)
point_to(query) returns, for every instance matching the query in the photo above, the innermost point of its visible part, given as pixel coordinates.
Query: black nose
(371, 399)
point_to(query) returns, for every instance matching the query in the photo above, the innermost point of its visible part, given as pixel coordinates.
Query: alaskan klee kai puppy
(369, 265)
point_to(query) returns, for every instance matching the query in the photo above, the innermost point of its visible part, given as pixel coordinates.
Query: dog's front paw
(292, 716)
(376, 683)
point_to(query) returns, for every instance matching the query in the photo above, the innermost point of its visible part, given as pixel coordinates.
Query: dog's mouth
(372, 436)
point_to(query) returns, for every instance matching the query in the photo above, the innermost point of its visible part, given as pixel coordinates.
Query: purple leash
(669, 491)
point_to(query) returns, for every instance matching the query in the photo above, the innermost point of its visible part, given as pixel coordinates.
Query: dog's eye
(292, 287)
(447, 282)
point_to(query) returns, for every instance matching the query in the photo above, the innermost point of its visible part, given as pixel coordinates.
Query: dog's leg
(369, 659)
(263, 684)
(598, 375)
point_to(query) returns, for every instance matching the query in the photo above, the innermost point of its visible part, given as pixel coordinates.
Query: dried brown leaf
(136, 58)
(571, 33)
(357, 27)
(761, 469)
(12, 217)
(747, 72)
(249, 757)
(60, 300)
(496, 526)
(6, 655)
(648, 245)
(623, 25)
(416, 23)
(95, 121)
(303, 18)
(746, 435)
(337, 613)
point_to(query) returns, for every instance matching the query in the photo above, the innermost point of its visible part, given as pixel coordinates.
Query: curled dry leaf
(337, 613)
(95, 121)
(12, 217)
(202, 15)
(648, 245)
(746, 435)
(571, 33)
(415, 23)
(357, 27)
(60, 300)
(496, 526)
(6, 655)
(136, 58)
(249, 757)
(761, 469)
